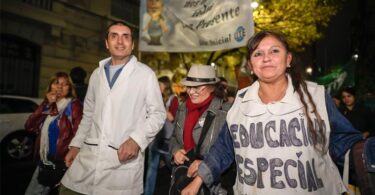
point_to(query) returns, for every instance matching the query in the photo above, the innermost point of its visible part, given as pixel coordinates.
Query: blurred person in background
(78, 76)
(337, 100)
(229, 95)
(160, 145)
(55, 122)
(357, 113)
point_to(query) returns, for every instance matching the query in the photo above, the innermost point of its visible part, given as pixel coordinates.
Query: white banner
(194, 25)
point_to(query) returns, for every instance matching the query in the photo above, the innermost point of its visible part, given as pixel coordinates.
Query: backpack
(362, 157)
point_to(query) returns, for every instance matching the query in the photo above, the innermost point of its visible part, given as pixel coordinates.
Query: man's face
(119, 42)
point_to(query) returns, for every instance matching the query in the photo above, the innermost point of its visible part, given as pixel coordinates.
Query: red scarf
(194, 111)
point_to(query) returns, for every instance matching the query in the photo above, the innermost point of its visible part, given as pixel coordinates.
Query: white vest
(273, 151)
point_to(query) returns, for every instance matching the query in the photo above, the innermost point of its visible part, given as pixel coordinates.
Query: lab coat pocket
(132, 170)
(84, 164)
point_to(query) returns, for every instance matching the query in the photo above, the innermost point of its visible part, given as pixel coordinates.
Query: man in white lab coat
(123, 111)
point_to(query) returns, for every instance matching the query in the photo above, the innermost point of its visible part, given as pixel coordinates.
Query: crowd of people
(280, 135)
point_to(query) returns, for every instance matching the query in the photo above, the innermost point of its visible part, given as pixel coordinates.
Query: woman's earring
(288, 66)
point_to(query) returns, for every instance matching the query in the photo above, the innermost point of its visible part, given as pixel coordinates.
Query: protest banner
(194, 25)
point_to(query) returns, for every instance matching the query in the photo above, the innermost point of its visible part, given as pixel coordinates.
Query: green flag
(339, 77)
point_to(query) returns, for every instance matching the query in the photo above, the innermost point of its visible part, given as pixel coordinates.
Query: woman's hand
(365, 134)
(69, 158)
(193, 169)
(170, 116)
(51, 97)
(180, 157)
(193, 187)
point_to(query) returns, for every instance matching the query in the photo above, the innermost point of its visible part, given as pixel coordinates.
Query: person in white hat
(203, 107)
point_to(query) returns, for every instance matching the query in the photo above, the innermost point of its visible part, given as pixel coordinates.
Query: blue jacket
(221, 154)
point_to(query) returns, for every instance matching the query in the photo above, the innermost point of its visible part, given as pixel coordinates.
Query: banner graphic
(194, 25)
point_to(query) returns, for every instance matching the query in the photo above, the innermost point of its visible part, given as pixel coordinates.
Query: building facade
(41, 37)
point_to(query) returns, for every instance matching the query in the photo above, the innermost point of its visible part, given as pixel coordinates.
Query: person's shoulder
(219, 104)
(76, 102)
(314, 87)
(104, 61)
(96, 70)
(226, 106)
(144, 67)
(311, 84)
(141, 66)
(173, 98)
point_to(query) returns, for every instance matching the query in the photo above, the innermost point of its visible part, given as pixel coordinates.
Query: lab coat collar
(107, 61)
(125, 72)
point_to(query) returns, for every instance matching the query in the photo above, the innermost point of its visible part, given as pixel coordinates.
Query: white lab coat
(132, 108)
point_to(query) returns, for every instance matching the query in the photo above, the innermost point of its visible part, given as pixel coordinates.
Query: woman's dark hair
(349, 89)
(219, 91)
(299, 85)
(72, 91)
(168, 88)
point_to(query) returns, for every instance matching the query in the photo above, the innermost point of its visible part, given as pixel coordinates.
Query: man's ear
(106, 43)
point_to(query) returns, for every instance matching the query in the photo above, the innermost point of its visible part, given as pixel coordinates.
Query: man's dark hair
(121, 23)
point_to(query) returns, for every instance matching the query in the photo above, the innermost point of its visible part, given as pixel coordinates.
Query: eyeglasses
(197, 89)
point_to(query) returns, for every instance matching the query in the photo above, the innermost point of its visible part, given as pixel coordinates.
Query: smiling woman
(277, 130)
(200, 93)
(198, 120)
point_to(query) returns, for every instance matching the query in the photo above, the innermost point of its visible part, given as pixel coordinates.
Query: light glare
(254, 4)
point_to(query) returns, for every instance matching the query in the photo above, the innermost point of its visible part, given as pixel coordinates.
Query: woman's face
(162, 87)
(269, 60)
(347, 98)
(199, 94)
(60, 87)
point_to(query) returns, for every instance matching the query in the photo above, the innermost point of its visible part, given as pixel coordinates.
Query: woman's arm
(216, 161)
(219, 157)
(175, 146)
(172, 110)
(76, 114)
(37, 118)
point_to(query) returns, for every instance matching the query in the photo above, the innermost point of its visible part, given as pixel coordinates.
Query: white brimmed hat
(200, 75)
